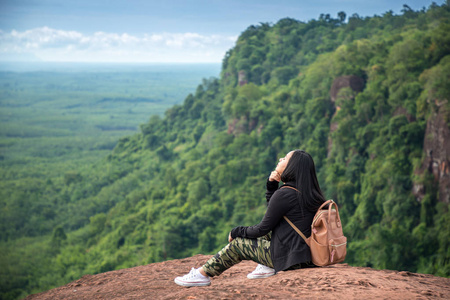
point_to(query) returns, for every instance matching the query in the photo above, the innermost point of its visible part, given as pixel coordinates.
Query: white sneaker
(261, 271)
(194, 278)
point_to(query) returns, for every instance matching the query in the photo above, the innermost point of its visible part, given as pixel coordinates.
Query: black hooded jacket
(287, 247)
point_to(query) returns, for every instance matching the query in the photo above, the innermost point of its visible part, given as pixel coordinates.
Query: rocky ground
(155, 281)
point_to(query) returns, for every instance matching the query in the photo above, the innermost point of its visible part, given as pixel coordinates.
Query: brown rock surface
(155, 281)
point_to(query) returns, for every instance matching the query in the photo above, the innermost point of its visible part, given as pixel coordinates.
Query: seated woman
(298, 199)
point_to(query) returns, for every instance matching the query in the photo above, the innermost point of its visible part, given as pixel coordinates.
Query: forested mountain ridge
(367, 98)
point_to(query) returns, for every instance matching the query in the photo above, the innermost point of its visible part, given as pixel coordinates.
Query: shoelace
(190, 275)
(260, 268)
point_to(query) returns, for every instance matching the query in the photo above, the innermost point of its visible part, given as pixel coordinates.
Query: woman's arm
(278, 207)
(272, 185)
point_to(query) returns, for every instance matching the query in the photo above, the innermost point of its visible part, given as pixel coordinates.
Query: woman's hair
(302, 171)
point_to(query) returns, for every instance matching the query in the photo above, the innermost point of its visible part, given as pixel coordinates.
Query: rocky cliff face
(436, 140)
(242, 78)
(355, 83)
(243, 125)
(403, 111)
(436, 147)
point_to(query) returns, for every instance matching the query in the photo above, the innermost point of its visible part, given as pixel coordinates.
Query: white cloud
(50, 44)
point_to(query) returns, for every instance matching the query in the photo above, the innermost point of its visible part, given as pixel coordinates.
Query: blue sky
(153, 31)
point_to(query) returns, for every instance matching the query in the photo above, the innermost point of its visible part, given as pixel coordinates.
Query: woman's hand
(230, 238)
(275, 176)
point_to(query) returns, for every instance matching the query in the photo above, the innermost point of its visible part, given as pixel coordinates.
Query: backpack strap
(287, 186)
(298, 230)
(292, 224)
(330, 202)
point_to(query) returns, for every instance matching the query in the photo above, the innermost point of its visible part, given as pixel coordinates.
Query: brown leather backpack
(327, 241)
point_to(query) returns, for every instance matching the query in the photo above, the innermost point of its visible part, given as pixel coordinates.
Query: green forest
(366, 96)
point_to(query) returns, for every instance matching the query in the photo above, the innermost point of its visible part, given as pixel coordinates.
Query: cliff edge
(155, 281)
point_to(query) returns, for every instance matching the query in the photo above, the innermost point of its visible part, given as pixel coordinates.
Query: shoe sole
(189, 284)
(249, 276)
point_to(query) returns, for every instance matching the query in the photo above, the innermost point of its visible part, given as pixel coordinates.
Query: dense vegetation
(178, 187)
(56, 119)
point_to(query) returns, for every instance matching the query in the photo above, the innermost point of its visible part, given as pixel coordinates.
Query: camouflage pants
(238, 250)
